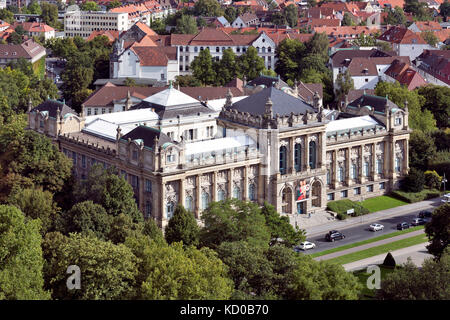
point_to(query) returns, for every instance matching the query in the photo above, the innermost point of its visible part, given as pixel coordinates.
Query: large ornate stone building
(270, 146)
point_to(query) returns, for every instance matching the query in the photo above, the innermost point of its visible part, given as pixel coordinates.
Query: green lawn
(362, 275)
(360, 243)
(382, 203)
(363, 254)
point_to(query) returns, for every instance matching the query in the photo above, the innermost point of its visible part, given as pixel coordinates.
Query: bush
(341, 207)
(432, 179)
(414, 181)
(412, 197)
(389, 261)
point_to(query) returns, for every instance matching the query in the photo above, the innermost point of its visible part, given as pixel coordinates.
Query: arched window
(189, 203)
(397, 164)
(366, 168)
(283, 160)
(298, 156)
(221, 195)
(252, 192)
(205, 200)
(341, 174)
(354, 171)
(257, 49)
(237, 193)
(263, 49)
(195, 49)
(269, 49)
(379, 166)
(312, 154)
(170, 209)
(287, 200)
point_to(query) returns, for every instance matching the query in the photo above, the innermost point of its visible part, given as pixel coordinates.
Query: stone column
(406, 156)
(182, 197)
(322, 153)
(162, 217)
(334, 168)
(362, 178)
(214, 186)
(141, 193)
(261, 185)
(374, 163)
(347, 166)
(230, 183)
(291, 158)
(197, 196)
(306, 144)
(392, 159)
(245, 188)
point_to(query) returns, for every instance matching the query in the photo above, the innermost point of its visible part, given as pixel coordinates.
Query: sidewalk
(370, 245)
(418, 254)
(371, 217)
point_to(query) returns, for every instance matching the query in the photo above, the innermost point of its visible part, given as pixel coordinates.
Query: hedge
(341, 207)
(412, 197)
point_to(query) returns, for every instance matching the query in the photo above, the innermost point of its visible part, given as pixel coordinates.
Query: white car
(306, 245)
(376, 227)
(446, 198)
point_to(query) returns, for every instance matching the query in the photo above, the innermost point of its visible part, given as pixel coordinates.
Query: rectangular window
(162, 76)
(83, 161)
(330, 196)
(134, 181)
(134, 155)
(379, 166)
(356, 191)
(74, 158)
(382, 186)
(89, 111)
(370, 188)
(148, 186)
(344, 194)
(170, 158)
(103, 110)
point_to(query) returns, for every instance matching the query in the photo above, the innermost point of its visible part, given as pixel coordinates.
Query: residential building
(246, 20)
(420, 26)
(405, 42)
(403, 73)
(270, 146)
(83, 23)
(434, 66)
(36, 29)
(28, 50)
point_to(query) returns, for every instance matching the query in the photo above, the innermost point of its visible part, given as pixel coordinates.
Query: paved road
(361, 232)
(418, 254)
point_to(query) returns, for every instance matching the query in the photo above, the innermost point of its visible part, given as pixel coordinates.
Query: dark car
(425, 214)
(418, 222)
(334, 235)
(403, 225)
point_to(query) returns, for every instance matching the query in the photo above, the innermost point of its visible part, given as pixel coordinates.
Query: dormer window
(170, 158)
(134, 155)
(398, 121)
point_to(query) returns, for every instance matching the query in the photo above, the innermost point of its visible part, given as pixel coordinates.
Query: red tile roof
(34, 26)
(28, 50)
(212, 37)
(428, 25)
(314, 23)
(111, 34)
(155, 56)
(393, 3)
(401, 36)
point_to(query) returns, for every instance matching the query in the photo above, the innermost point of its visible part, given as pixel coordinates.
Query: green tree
(291, 14)
(108, 271)
(15, 38)
(21, 276)
(112, 192)
(32, 160)
(233, 220)
(129, 82)
(226, 68)
(318, 45)
(430, 38)
(90, 6)
(322, 280)
(421, 151)
(418, 119)
(365, 40)
(278, 19)
(410, 283)
(230, 14)
(395, 17)
(50, 14)
(419, 10)
(444, 10)
(280, 227)
(186, 25)
(187, 81)
(36, 204)
(6, 15)
(289, 53)
(437, 100)
(347, 20)
(438, 231)
(414, 181)
(250, 63)
(432, 179)
(113, 4)
(34, 8)
(173, 272)
(182, 227)
(208, 8)
(202, 67)
(87, 218)
(344, 84)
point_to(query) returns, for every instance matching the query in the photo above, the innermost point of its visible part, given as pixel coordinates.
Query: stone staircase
(316, 218)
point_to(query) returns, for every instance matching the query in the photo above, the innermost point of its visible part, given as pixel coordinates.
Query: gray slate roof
(51, 106)
(283, 103)
(376, 102)
(148, 135)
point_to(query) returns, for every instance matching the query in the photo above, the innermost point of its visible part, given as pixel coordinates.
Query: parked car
(306, 245)
(376, 227)
(446, 198)
(334, 235)
(403, 225)
(425, 214)
(418, 222)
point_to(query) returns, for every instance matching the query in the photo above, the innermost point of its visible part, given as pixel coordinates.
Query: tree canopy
(182, 227)
(438, 231)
